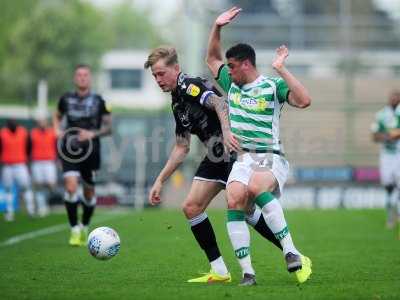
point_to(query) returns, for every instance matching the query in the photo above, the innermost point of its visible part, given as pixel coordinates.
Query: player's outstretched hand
(230, 142)
(154, 195)
(281, 54)
(227, 16)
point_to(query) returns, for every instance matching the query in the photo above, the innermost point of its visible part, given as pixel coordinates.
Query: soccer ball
(103, 243)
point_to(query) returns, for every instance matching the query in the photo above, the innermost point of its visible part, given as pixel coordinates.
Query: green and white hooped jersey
(254, 110)
(385, 119)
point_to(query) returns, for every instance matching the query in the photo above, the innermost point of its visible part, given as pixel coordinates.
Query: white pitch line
(46, 231)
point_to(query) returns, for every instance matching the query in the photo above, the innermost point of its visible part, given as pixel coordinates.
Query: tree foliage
(131, 28)
(48, 43)
(45, 39)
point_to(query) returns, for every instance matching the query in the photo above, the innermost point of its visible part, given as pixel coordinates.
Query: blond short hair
(164, 52)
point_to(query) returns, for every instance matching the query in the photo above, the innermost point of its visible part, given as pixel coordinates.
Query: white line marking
(48, 230)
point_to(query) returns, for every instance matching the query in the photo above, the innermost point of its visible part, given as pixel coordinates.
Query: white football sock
(275, 219)
(9, 203)
(240, 239)
(30, 206)
(218, 266)
(41, 201)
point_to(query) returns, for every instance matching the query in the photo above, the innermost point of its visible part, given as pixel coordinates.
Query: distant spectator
(14, 152)
(385, 130)
(44, 171)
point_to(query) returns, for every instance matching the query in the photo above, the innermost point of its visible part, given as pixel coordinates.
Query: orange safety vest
(43, 144)
(13, 145)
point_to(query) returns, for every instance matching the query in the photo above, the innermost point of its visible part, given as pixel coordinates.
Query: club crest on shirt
(262, 104)
(193, 90)
(256, 92)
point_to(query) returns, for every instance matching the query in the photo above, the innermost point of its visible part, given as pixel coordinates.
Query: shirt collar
(253, 83)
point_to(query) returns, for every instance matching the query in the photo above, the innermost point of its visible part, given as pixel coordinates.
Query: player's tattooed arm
(106, 126)
(105, 129)
(221, 108)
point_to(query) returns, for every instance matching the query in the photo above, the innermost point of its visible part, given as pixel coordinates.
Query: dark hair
(82, 66)
(242, 52)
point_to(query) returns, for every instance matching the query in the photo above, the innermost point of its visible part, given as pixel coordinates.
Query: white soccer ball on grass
(103, 243)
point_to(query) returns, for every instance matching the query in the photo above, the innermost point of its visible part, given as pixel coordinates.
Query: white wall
(149, 96)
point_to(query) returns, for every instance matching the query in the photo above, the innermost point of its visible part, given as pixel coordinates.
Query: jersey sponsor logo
(193, 90)
(259, 104)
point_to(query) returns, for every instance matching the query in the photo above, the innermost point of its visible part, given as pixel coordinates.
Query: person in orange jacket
(14, 153)
(43, 166)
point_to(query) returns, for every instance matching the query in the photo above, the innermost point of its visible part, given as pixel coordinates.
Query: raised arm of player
(178, 154)
(106, 126)
(214, 58)
(298, 96)
(221, 108)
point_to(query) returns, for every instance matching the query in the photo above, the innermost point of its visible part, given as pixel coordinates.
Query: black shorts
(214, 171)
(85, 171)
(86, 168)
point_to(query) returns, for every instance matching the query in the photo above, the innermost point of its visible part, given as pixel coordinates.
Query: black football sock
(72, 212)
(88, 211)
(262, 228)
(204, 234)
(257, 221)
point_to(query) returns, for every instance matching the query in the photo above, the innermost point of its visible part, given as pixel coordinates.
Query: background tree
(42, 39)
(131, 28)
(48, 43)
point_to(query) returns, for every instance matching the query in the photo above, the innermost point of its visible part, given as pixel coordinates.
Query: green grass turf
(354, 257)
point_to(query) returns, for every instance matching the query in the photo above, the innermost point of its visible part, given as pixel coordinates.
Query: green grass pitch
(354, 257)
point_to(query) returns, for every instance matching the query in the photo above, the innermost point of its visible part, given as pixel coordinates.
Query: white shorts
(389, 169)
(247, 163)
(15, 173)
(44, 172)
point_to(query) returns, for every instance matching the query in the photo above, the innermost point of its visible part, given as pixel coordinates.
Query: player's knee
(71, 189)
(88, 193)
(191, 209)
(237, 198)
(257, 186)
(71, 186)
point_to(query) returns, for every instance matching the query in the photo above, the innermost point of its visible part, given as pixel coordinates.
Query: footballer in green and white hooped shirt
(386, 121)
(255, 103)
